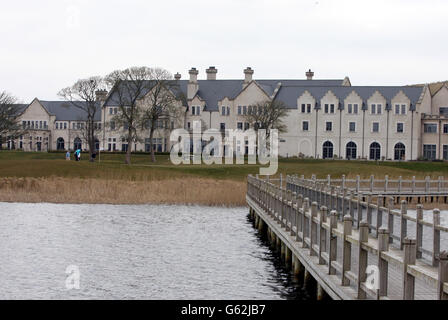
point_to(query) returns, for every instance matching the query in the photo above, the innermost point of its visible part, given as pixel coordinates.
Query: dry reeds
(192, 190)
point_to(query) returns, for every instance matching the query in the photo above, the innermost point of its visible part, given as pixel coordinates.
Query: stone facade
(326, 118)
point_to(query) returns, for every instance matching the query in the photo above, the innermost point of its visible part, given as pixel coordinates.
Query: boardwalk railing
(386, 186)
(347, 235)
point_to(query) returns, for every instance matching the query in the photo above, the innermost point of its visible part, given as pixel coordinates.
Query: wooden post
(390, 218)
(404, 223)
(436, 237)
(419, 231)
(362, 257)
(383, 265)
(443, 275)
(346, 250)
(293, 213)
(313, 229)
(323, 234)
(305, 229)
(358, 211)
(332, 255)
(369, 212)
(409, 259)
(379, 214)
(299, 225)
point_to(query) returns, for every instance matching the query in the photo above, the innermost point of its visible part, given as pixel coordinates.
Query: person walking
(67, 155)
(78, 154)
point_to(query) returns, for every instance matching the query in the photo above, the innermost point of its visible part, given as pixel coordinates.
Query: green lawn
(111, 166)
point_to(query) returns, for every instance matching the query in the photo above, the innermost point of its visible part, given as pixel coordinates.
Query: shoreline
(185, 191)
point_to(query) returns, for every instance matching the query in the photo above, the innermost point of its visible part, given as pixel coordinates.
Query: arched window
(351, 150)
(375, 151)
(60, 144)
(400, 151)
(327, 152)
(77, 144)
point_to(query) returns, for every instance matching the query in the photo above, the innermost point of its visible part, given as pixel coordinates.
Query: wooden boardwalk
(353, 249)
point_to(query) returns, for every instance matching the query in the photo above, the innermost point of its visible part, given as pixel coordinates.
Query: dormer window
(329, 108)
(400, 109)
(352, 108)
(196, 110)
(376, 109)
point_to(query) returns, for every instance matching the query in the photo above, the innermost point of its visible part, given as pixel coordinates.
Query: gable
(35, 111)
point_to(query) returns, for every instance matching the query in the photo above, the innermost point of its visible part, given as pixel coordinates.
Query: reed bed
(198, 191)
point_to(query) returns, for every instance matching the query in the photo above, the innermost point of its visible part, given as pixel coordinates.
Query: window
(244, 110)
(375, 108)
(77, 144)
(223, 111)
(400, 127)
(111, 110)
(57, 126)
(352, 126)
(60, 144)
(308, 108)
(430, 128)
(329, 108)
(23, 124)
(375, 127)
(375, 151)
(303, 108)
(228, 111)
(246, 126)
(222, 126)
(329, 126)
(445, 152)
(351, 150)
(327, 150)
(239, 126)
(239, 110)
(399, 151)
(115, 112)
(429, 151)
(305, 126)
(445, 128)
(352, 108)
(112, 125)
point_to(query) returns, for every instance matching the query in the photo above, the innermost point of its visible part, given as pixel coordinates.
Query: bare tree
(10, 112)
(160, 103)
(83, 95)
(129, 86)
(267, 115)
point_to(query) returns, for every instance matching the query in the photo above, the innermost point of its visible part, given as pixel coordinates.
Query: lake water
(136, 252)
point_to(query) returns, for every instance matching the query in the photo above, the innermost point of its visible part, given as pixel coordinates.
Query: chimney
(211, 73)
(177, 76)
(193, 85)
(248, 72)
(101, 95)
(309, 75)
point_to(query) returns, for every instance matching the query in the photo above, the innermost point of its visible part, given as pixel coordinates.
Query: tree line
(143, 96)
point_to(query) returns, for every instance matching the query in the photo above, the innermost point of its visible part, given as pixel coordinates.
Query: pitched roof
(290, 94)
(434, 87)
(213, 91)
(67, 111)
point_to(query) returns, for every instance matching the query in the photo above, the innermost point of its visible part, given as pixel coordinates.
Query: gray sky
(47, 45)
